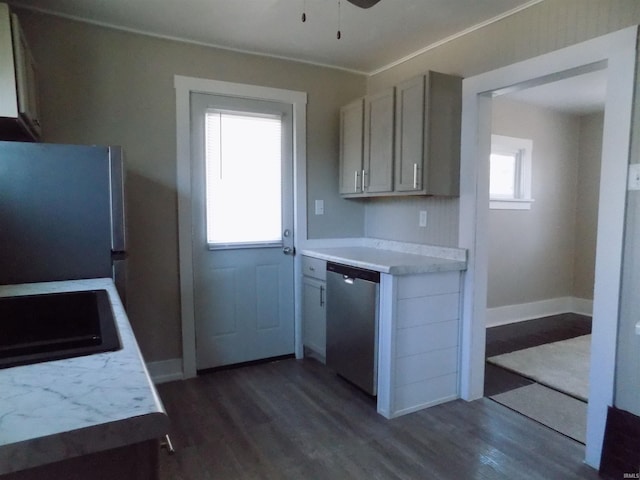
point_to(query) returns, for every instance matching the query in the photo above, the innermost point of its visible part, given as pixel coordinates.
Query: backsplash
(397, 219)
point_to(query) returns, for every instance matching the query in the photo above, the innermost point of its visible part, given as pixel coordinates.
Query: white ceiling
(577, 95)
(371, 38)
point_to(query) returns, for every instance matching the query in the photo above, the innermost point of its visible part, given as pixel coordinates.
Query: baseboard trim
(544, 308)
(166, 370)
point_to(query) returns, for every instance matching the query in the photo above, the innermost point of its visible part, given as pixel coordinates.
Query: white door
(242, 206)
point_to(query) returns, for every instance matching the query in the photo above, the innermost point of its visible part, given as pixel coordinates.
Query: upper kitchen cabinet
(366, 145)
(19, 119)
(404, 140)
(427, 135)
(351, 147)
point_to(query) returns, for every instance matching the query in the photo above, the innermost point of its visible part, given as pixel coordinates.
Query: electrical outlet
(423, 218)
(634, 176)
(319, 207)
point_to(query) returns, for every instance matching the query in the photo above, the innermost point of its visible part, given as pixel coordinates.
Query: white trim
(582, 306)
(511, 204)
(184, 86)
(188, 41)
(165, 370)
(618, 50)
(544, 308)
(455, 36)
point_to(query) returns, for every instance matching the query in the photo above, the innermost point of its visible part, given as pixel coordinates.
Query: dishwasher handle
(353, 273)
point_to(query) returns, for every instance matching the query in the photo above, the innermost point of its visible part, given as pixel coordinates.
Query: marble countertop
(65, 408)
(394, 258)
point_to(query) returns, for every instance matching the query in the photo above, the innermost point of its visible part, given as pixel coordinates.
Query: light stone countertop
(394, 258)
(65, 408)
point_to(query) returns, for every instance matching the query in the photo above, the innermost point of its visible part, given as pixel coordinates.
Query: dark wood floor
(295, 419)
(521, 335)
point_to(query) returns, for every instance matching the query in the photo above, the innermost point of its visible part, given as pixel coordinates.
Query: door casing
(184, 86)
(618, 51)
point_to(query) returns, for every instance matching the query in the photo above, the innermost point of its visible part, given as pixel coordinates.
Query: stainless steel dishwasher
(352, 324)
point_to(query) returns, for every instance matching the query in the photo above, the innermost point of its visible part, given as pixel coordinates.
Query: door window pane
(243, 178)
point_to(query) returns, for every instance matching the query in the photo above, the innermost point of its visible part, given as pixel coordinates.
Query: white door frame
(618, 50)
(184, 86)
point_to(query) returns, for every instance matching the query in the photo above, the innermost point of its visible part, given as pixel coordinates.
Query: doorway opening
(543, 211)
(185, 87)
(618, 52)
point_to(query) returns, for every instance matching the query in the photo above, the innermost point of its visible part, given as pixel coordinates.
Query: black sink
(39, 328)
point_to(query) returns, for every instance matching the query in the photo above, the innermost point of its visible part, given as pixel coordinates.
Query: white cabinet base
(418, 356)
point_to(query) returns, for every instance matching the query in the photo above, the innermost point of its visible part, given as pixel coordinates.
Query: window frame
(521, 149)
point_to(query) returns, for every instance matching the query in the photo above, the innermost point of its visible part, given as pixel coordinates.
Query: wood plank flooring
(295, 419)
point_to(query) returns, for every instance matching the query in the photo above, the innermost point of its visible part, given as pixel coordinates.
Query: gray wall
(549, 251)
(531, 252)
(628, 354)
(103, 86)
(588, 196)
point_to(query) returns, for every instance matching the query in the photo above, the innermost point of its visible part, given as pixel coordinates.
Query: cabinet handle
(355, 181)
(364, 182)
(321, 295)
(415, 176)
(167, 445)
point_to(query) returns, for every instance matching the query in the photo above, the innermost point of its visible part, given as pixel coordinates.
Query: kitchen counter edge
(62, 409)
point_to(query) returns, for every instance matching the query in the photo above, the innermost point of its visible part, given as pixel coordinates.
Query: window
(510, 173)
(243, 178)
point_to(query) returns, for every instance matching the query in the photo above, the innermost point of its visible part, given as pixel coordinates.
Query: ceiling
(372, 39)
(578, 95)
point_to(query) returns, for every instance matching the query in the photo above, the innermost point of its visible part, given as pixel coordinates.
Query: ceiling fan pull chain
(339, 34)
(304, 11)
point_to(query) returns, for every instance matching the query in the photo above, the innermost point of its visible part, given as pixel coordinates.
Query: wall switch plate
(423, 218)
(319, 207)
(634, 176)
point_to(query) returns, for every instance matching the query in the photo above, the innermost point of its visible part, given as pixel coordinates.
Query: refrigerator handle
(118, 239)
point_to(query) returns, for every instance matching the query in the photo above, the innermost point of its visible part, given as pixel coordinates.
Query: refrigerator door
(55, 212)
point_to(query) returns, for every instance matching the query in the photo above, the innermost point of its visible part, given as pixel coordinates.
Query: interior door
(242, 206)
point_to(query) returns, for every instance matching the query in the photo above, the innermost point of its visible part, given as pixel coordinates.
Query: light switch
(423, 218)
(634, 176)
(319, 207)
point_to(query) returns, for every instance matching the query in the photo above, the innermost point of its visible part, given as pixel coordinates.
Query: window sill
(511, 204)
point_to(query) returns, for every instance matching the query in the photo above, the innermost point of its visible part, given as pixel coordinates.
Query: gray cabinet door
(409, 155)
(428, 114)
(378, 142)
(351, 138)
(314, 315)
(441, 174)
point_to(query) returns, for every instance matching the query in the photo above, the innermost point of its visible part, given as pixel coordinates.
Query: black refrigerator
(61, 213)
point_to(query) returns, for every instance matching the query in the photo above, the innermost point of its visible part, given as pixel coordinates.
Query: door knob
(289, 250)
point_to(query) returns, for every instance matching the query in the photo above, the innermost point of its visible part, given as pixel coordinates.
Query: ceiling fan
(364, 3)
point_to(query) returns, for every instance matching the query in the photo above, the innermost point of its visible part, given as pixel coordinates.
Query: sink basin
(39, 328)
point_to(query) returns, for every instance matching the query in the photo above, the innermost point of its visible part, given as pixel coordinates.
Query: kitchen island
(418, 346)
(55, 414)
